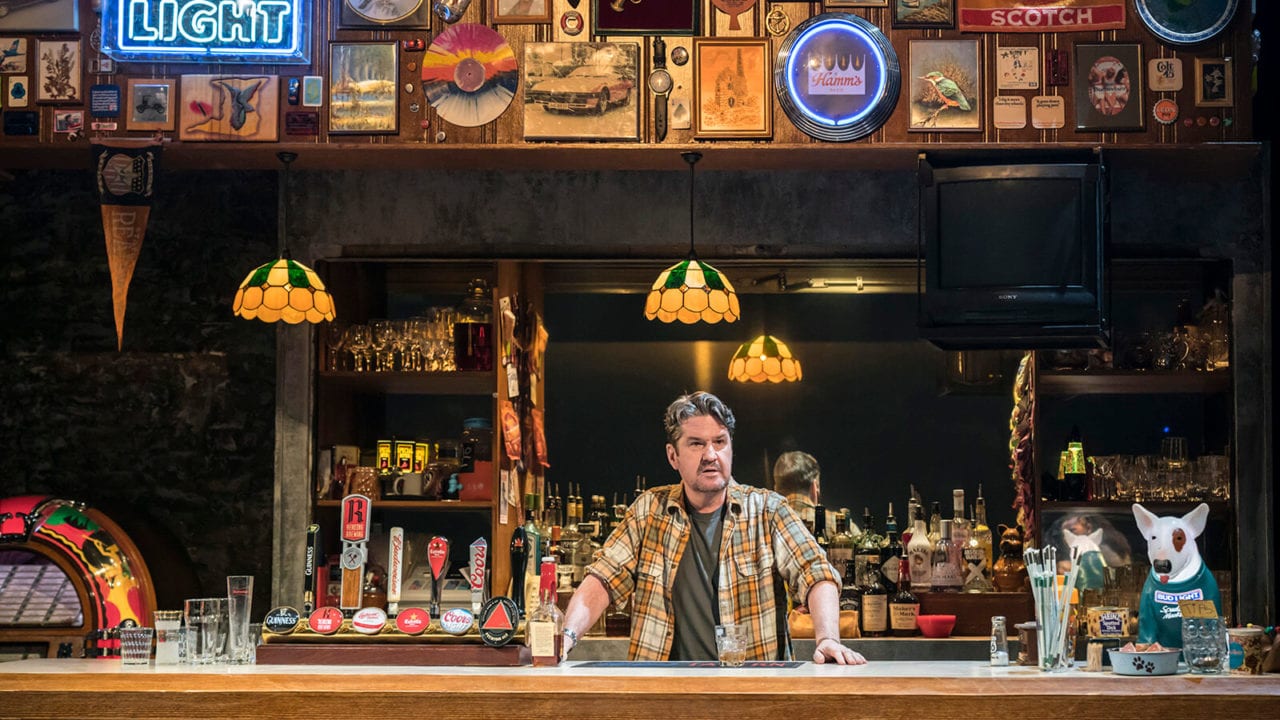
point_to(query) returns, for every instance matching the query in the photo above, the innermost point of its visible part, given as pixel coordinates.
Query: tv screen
(1016, 249)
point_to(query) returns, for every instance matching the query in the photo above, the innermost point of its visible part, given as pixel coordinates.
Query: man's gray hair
(693, 405)
(795, 472)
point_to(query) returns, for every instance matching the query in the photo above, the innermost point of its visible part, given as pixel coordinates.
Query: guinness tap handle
(310, 585)
(438, 560)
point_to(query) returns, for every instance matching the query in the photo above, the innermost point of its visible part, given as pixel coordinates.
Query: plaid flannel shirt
(764, 539)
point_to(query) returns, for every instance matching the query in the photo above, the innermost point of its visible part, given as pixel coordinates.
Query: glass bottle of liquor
(912, 507)
(946, 563)
(875, 603)
(935, 524)
(977, 567)
(920, 554)
(544, 629)
(533, 551)
(904, 606)
(981, 535)
(820, 529)
(891, 552)
(840, 547)
(868, 548)
(959, 525)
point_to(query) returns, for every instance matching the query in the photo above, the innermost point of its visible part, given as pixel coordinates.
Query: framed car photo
(732, 88)
(581, 91)
(637, 17)
(1108, 86)
(150, 104)
(383, 13)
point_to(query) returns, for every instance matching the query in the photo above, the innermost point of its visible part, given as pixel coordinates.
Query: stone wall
(172, 437)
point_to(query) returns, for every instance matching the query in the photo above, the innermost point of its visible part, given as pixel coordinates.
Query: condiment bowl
(936, 626)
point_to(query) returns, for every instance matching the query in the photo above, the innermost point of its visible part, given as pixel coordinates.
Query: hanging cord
(692, 158)
(282, 220)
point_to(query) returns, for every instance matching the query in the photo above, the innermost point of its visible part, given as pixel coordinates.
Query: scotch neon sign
(206, 31)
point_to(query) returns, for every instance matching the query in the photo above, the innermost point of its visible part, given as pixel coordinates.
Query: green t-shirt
(694, 597)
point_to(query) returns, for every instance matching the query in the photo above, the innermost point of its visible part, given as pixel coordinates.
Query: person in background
(709, 551)
(797, 477)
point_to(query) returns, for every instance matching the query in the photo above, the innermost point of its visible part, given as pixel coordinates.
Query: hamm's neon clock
(837, 77)
(207, 31)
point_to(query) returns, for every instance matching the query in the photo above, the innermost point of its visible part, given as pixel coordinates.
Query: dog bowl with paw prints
(1160, 662)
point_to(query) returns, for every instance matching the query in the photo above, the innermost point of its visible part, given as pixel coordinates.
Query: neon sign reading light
(796, 57)
(249, 31)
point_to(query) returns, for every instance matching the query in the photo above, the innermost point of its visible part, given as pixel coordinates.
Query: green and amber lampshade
(285, 290)
(692, 291)
(764, 359)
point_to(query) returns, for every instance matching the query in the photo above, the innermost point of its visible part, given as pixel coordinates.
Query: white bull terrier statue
(1177, 573)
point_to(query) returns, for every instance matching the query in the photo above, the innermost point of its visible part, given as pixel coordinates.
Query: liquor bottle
(904, 606)
(868, 548)
(912, 506)
(946, 563)
(875, 603)
(981, 535)
(920, 554)
(959, 525)
(820, 529)
(569, 539)
(533, 548)
(935, 524)
(840, 547)
(639, 488)
(544, 629)
(891, 552)
(976, 569)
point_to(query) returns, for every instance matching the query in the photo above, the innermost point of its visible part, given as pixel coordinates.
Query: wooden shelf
(419, 505)
(1215, 506)
(1133, 382)
(412, 383)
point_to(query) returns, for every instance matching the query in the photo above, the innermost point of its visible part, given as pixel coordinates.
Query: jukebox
(69, 576)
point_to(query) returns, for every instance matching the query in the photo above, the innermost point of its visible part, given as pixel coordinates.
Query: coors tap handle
(355, 536)
(476, 572)
(519, 558)
(438, 560)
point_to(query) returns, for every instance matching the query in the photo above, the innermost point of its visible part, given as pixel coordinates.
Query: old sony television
(1013, 251)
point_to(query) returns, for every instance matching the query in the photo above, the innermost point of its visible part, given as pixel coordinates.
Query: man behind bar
(709, 551)
(798, 477)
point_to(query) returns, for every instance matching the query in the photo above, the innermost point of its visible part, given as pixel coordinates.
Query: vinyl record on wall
(1186, 22)
(837, 77)
(469, 74)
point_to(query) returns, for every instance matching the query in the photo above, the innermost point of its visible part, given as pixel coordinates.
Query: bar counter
(920, 689)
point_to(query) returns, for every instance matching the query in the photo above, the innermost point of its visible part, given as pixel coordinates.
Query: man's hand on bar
(824, 608)
(831, 649)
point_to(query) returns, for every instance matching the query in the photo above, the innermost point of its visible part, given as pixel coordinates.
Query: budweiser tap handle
(395, 566)
(438, 560)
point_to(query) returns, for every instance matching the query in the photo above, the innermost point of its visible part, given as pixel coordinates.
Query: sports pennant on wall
(126, 175)
(1040, 16)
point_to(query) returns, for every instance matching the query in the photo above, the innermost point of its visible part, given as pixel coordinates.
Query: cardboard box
(477, 484)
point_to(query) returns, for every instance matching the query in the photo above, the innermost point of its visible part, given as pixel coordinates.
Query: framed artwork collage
(595, 72)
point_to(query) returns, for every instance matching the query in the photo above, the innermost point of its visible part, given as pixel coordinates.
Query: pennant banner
(126, 176)
(1040, 16)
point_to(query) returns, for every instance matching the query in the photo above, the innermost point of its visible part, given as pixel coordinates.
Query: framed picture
(636, 17)
(854, 3)
(18, 92)
(229, 107)
(1108, 86)
(363, 83)
(519, 11)
(150, 104)
(1018, 68)
(59, 76)
(1213, 82)
(732, 80)
(946, 86)
(312, 91)
(581, 91)
(13, 55)
(924, 14)
(46, 16)
(68, 121)
(383, 13)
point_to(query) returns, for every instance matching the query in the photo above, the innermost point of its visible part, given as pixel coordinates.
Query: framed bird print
(1108, 86)
(243, 108)
(13, 55)
(150, 104)
(946, 86)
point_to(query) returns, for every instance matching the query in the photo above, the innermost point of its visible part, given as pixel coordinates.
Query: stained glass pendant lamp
(692, 291)
(283, 289)
(765, 358)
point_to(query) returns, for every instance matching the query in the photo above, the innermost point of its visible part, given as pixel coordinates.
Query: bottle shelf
(1133, 382)
(419, 505)
(412, 383)
(1215, 506)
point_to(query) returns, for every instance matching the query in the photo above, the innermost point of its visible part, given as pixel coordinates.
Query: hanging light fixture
(764, 358)
(283, 289)
(691, 290)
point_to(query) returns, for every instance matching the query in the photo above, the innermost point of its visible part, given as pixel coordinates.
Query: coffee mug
(408, 484)
(363, 480)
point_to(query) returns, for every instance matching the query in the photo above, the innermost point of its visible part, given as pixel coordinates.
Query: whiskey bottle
(544, 629)
(890, 552)
(904, 606)
(840, 548)
(920, 554)
(981, 535)
(875, 603)
(946, 563)
(959, 525)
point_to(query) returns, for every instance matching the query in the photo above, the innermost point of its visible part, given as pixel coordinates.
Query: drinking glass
(206, 630)
(240, 648)
(168, 636)
(135, 646)
(731, 645)
(357, 340)
(333, 338)
(1203, 644)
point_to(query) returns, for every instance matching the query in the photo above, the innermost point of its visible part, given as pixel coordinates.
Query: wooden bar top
(960, 690)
